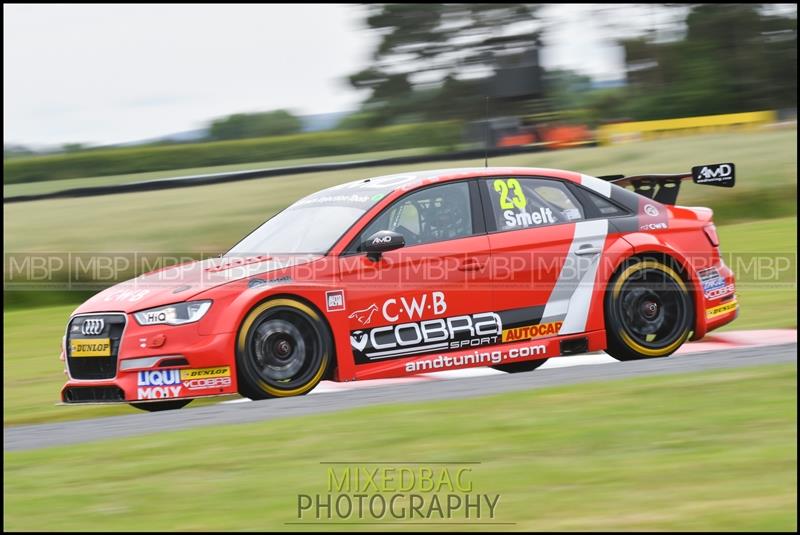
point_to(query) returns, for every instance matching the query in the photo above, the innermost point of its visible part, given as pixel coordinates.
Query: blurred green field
(212, 218)
(632, 454)
(763, 304)
(33, 375)
(444, 135)
(32, 188)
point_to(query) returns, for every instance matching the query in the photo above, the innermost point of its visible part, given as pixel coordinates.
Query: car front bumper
(150, 363)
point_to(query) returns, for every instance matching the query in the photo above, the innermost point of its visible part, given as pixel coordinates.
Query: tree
(247, 125)
(567, 89)
(15, 151)
(731, 58)
(434, 60)
(74, 147)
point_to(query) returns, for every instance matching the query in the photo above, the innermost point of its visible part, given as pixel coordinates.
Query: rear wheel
(649, 311)
(519, 367)
(155, 406)
(283, 349)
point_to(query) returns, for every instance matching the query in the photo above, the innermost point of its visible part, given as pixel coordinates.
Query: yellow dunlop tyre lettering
(653, 352)
(242, 344)
(624, 336)
(647, 264)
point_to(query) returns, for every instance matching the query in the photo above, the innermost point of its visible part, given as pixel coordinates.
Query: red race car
(414, 273)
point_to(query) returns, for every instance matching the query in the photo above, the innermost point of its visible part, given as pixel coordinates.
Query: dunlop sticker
(203, 373)
(721, 309)
(99, 347)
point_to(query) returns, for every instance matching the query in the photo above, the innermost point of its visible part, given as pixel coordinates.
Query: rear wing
(664, 188)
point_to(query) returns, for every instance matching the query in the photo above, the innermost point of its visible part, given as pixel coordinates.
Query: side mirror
(380, 242)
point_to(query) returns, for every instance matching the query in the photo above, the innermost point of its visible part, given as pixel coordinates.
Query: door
(433, 294)
(544, 256)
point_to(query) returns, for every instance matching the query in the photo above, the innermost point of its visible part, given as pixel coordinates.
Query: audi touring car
(414, 273)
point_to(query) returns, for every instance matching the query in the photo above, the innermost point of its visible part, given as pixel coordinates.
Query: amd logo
(720, 174)
(721, 171)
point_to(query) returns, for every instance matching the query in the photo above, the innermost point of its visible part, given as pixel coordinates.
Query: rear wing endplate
(664, 188)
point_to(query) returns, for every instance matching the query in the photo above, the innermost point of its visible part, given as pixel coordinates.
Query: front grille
(95, 367)
(88, 394)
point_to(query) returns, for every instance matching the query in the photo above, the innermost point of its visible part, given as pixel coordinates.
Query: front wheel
(156, 406)
(283, 349)
(649, 311)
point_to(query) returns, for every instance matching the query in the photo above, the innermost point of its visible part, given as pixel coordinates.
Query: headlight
(176, 314)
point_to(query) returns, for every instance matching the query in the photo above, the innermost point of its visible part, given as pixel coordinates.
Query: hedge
(102, 162)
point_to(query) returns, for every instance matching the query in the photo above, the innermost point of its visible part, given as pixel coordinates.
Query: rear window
(604, 206)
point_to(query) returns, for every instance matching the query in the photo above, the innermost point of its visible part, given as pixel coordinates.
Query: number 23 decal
(511, 185)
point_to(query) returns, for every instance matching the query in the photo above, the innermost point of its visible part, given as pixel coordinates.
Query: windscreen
(315, 223)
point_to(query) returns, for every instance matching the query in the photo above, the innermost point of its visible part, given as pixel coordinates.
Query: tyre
(648, 309)
(283, 348)
(155, 406)
(519, 367)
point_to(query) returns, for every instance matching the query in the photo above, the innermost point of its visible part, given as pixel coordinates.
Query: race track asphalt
(56, 434)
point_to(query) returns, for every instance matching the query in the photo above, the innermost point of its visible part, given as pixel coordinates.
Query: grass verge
(706, 451)
(49, 186)
(763, 256)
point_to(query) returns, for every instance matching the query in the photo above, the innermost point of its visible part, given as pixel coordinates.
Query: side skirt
(476, 357)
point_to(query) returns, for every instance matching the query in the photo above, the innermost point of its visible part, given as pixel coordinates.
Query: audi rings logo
(92, 326)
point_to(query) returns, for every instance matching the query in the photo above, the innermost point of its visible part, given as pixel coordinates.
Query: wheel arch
(682, 267)
(331, 371)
